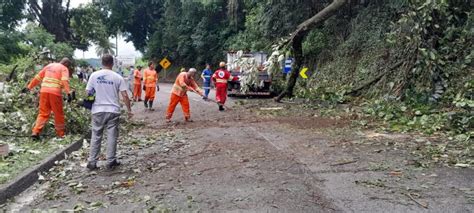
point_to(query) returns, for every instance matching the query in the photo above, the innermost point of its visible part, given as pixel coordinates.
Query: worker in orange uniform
(137, 84)
(150, 78)
(53, 78)
(220, 78)
(184, 82)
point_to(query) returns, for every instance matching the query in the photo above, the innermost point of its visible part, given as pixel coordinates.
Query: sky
(124, 48)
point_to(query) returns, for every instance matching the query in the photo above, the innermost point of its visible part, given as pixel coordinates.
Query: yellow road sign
(165, 63)
(303, 72)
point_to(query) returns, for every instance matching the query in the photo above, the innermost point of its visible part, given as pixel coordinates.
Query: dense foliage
(412, 59)
(191, 33)
(10, 13)
(414, 54)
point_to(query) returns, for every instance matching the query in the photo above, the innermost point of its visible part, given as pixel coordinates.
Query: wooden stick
(417, 202)
(344, 163)
(211, 100)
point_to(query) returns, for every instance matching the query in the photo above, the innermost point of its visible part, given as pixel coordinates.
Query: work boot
(35, 137)
(91, 166)
(113, 165)
(151, 106)
(146, 104)
(221, 108)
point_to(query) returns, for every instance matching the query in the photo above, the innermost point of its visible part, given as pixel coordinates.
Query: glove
(69, 98)
(157, 88)
(25, 90)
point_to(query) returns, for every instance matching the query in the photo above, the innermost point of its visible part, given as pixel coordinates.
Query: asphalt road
(241, 160)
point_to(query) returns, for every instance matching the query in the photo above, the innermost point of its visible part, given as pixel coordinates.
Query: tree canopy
(78, 27)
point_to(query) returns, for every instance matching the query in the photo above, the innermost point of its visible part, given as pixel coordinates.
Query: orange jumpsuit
(53, 78)
(179, 95)
(137, 85)
(150, 78)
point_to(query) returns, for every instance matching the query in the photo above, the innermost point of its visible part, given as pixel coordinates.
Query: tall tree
(137, 19)
(53, 17)
(105, 48)
(236, 14)
(68, 24)
(11, 13)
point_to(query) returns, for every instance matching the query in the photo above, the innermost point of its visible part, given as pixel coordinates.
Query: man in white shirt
(106, 85)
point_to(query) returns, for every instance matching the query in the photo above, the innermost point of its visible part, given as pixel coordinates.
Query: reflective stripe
(38, 78)
(52, 80)
(206, 76)
(179, 88)
(64, 78)
(52, 85)
(221, 81)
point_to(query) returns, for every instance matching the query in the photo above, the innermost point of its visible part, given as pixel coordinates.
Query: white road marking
(268, 140)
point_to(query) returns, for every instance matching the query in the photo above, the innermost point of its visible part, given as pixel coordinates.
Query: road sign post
(165, 63)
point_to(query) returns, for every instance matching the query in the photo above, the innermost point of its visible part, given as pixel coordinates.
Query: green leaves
(89, 25)
(42, 41)
(10, 14)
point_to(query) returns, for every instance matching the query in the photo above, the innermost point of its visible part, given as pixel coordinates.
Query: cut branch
(355, 91)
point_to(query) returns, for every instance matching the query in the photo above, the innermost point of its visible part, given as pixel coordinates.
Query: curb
(30, 176)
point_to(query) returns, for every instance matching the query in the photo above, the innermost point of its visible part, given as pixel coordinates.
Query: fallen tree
(296, 40)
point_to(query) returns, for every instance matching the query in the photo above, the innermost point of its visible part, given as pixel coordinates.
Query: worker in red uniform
(53, 78)
(184, 82)
(150, 78)
(220, 79)
(137, 84)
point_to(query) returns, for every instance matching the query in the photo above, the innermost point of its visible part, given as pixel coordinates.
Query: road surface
(242, 160)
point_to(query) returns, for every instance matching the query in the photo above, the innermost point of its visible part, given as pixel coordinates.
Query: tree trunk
(297, 46)
(53, 17)
(297, 38)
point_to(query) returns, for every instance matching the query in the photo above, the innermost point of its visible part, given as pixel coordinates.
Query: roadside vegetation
(397, 66)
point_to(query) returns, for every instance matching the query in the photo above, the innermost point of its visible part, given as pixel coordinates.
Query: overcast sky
(124, 48)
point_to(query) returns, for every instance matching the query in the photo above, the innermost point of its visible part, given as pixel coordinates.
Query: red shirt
(222, 76)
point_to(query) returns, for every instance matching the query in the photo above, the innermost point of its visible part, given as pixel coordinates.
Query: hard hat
(222, 64)
(192, 70)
